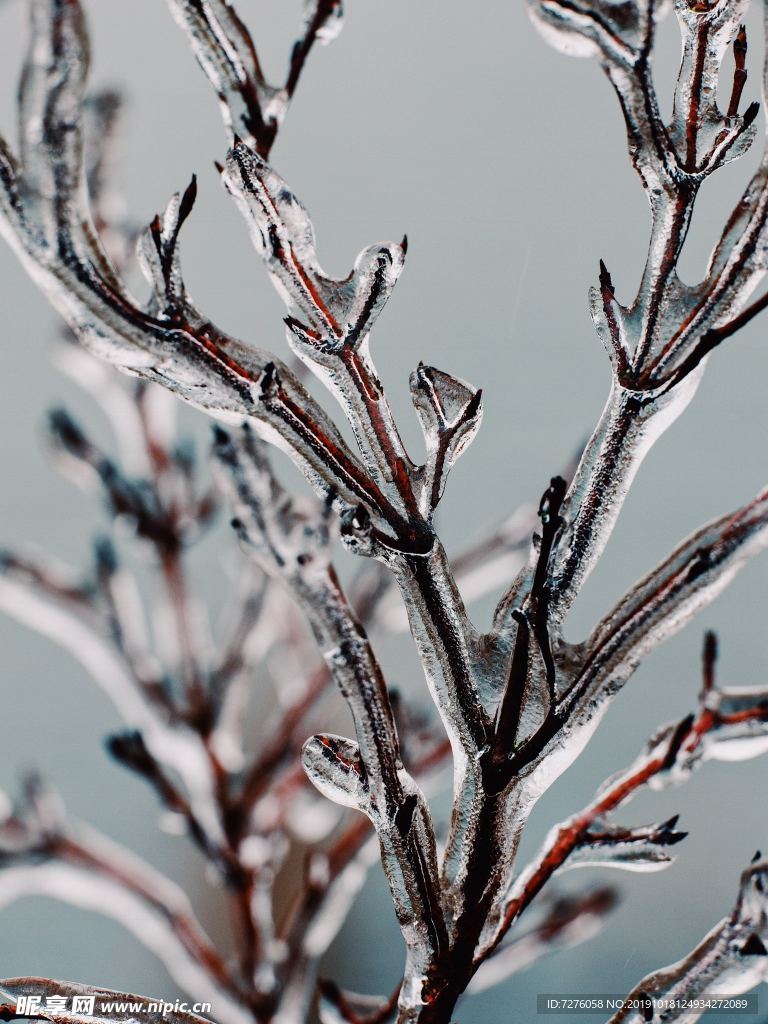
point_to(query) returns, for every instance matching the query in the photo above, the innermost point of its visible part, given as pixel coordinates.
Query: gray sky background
(505, 162)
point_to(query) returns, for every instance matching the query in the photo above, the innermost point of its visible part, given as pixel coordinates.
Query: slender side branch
(40, 854)
(729, 724)
(250, 106)
(367, 774)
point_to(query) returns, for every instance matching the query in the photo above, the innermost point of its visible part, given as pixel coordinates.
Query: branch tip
(606, 284)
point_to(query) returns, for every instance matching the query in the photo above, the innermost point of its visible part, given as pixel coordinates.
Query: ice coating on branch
(225, 52)
(720, 135)
(157, 250)
(332, 764)
(633, 849)
(730, 960)
(42, 853)
(580, 31)
(334, 340)
(450, 413)
(339, 312)
(568, 921)
(251, 107)
(732, 725)
(555, 31)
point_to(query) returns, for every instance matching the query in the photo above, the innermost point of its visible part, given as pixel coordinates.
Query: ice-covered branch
(659, 342)
(729, 725)
(290, 543)
(42, 854)
(340, 314)
(569, 921)
(44, 216)
(622, 40)
(250, 106)
(333, 339)
(661, 603)
(54, 607)
(730, 960)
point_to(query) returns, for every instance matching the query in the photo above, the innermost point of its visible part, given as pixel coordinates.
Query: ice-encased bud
(333, 766)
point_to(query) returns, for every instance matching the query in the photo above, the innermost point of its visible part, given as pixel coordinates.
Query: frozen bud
(333, 765)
